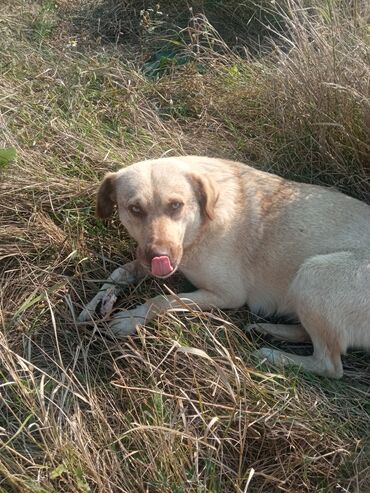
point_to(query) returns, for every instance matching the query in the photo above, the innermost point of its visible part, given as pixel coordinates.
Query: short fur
(246, 236)
(106, 197)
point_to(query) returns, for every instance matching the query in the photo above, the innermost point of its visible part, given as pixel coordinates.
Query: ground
(89, 86)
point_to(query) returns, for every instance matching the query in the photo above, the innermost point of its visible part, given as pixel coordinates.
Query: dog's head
(163, 204)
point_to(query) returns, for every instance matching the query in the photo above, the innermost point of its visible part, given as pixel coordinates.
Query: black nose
(156, 252)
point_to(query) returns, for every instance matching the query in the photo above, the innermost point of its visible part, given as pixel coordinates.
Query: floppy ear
(207, 193)
(106, 196)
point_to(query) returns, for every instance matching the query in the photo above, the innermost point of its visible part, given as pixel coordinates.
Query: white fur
(245, 236)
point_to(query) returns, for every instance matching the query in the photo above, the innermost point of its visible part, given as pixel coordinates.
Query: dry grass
(181, 407)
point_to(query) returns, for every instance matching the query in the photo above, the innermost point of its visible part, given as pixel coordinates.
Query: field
(88, 86)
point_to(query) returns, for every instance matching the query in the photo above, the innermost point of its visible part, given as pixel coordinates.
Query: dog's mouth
(162, 267)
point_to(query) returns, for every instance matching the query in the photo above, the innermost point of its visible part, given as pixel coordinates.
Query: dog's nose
(156, 252)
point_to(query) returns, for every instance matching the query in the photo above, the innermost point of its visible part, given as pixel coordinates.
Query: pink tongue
(161, 266)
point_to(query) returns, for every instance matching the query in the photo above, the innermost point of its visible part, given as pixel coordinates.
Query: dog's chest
(209, 271)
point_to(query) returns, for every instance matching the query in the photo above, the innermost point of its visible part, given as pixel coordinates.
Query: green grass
(182, 407)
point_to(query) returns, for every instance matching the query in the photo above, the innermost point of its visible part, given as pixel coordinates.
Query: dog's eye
(136, 210)
(175, 205)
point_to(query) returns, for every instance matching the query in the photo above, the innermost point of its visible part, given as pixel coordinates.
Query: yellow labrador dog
(245, 236)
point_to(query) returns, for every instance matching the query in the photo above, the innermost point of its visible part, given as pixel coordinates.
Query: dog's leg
(124, 323)
(330, 297)
(290, 333)
(326, 359)
(319, 364)
(128, 274)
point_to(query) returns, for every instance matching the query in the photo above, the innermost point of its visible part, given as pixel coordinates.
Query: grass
(87, 87)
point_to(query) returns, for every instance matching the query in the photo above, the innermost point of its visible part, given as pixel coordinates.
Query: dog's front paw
(101, 305)
(87, 314)
(108, 301)
(124, 323)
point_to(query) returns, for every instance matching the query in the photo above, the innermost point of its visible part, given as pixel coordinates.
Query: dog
(244, 236)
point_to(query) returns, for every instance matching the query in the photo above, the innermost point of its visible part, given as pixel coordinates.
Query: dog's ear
(207, 194)
(106, 196)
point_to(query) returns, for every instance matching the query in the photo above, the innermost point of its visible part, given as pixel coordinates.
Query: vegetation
(87, 86)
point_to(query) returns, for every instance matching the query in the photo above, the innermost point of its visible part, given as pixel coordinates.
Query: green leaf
(82, 484)
(7, 155)
(233, 71)
(58, 471)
